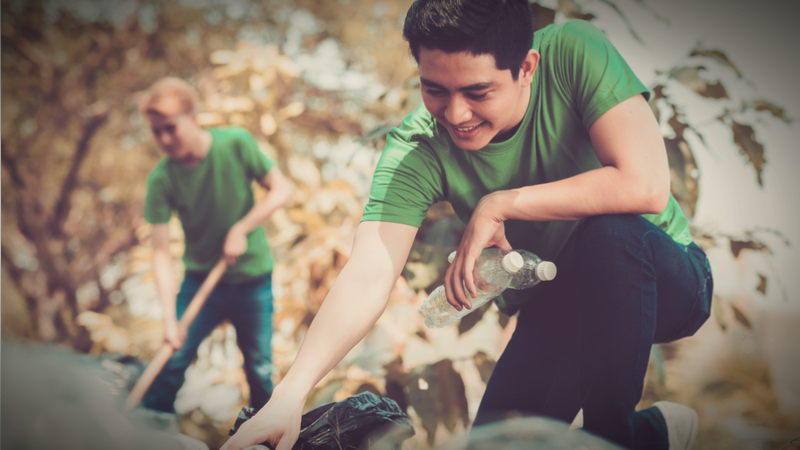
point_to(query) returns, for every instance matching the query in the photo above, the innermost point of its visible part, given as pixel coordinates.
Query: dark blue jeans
(248, 306)
(584, 339)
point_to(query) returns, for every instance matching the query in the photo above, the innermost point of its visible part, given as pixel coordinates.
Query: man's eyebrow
(472, 87)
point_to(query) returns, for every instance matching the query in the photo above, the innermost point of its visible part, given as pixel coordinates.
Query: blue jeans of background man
(584, 339)
(248, 306)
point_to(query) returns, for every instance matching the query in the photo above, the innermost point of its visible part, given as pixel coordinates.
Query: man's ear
(528, 67)
(193, 117)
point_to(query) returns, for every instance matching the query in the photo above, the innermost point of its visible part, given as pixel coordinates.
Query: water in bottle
(533, 271)
(492, 275)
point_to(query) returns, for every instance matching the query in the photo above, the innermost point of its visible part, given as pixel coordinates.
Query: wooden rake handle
(163, 355)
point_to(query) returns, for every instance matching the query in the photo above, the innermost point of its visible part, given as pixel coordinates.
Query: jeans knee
(608, 233)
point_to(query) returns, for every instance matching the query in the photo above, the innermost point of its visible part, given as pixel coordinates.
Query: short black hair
(501, 28)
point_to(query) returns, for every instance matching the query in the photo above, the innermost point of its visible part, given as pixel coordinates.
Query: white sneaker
(681, 424)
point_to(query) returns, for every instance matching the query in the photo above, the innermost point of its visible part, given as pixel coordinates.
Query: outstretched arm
(165, 284)
(355, 302)
(279, 192)
(634, 179)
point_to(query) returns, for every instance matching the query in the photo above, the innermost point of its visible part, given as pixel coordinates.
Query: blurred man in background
(206, 177)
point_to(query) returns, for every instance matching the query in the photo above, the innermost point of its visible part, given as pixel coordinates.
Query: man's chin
(476, 141)
(473, 144)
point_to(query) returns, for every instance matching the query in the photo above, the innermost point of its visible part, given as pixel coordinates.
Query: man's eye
(435, 92)
(170, 129)
(477, 96)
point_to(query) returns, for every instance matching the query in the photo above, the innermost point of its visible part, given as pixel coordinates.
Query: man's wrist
(292, 390)
(500, 204)
(240, 228)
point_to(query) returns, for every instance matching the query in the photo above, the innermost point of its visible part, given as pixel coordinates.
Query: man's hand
(173, 334)
(485, 229)
(278, 423)
(235, 245)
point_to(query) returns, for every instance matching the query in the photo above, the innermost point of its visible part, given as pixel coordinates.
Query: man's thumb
(284, 444)
(504, 245)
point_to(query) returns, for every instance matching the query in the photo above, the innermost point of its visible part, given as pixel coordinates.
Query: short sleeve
(157, 209)
(256, 163)
(406, 182)
(597, 75)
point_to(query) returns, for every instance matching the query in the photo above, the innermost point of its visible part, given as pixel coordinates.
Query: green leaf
(738, 246)
(542, 16)
(396, 381)
(572, 10)
(719, 314)
(690, 76)
(763, 105)
(485, 365)
(740, 317)
(470, 320)
(721, 57)
(503, 320)
(762, 284)
(438, 395)
(745, 138)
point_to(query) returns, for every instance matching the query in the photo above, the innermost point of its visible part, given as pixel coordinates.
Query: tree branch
(16, 273)
(42, 60)
(10, 163)
(98, 114)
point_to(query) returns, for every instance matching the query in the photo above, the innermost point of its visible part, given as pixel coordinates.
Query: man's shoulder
(230, 133)
(159, 172)
(566, 35)
(419, 130)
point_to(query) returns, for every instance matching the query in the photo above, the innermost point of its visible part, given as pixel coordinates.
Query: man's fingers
(449, 289)
(458, 284)
(241, 440)
(284, 444)
(469, 281)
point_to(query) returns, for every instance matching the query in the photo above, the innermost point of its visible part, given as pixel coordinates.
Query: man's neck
(199, 149)
(520, 116)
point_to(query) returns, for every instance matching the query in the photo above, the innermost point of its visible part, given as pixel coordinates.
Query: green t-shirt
(580, 76)
(210, 198)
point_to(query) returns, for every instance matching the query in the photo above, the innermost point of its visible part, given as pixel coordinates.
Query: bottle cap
(512, 262)
(545, 271)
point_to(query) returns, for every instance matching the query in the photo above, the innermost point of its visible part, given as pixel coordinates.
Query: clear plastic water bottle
(533, 271)
(492, 274)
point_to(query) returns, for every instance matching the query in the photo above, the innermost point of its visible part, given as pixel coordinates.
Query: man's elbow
(285, 194)
(654, 197)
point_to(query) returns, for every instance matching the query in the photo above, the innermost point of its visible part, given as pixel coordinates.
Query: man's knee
(609, 234)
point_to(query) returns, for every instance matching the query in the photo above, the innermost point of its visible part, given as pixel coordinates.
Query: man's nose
(457, 111)
(165, 139)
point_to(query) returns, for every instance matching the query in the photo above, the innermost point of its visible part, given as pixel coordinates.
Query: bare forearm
(353, 305)
(602, 191)
(165, 282)
(346, 316)
(262, 210)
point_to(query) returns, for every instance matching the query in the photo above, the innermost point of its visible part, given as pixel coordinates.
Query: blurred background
(319, 83)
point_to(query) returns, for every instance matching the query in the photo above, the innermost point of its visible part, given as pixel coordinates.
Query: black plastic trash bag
(354, 422)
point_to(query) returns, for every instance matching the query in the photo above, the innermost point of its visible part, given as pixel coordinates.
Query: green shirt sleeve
(255, 162)
(157, 208)
(594, 71)
(408, 177)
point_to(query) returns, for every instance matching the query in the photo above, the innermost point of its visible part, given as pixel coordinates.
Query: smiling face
(473, 99)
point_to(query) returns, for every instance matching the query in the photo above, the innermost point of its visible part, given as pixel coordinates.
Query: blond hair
(168, 87)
